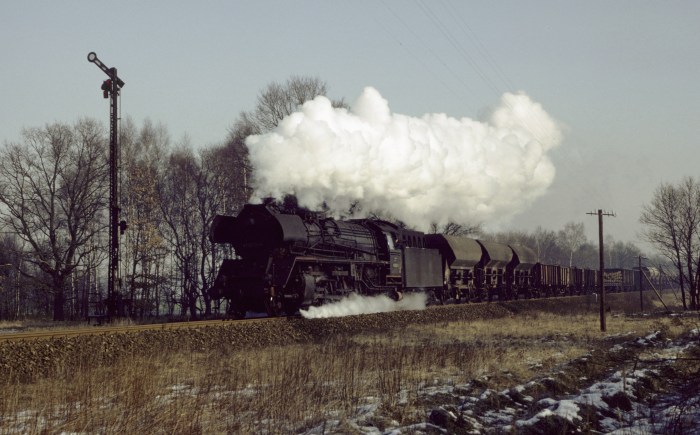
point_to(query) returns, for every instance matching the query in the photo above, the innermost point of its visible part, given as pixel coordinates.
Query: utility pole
(110, 89)
(601, 283)
(641, 275)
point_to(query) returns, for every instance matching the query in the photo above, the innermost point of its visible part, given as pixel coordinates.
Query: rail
(110, 329)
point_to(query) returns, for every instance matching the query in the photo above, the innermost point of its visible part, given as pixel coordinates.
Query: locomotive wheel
(439, 296)
(290, 307)
(237, 313)
(273, 306)
(395, 295)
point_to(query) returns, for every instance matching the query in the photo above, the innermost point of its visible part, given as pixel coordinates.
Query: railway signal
(111, 89)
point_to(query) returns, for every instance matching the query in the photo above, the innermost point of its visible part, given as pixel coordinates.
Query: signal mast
(110, 89)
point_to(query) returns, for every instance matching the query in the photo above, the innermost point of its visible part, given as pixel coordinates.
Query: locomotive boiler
(288, 259)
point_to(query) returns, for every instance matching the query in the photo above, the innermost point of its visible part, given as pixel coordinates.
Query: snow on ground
(632, 398)
(622, 403)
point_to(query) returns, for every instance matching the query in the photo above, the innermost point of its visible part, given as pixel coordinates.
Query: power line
(463, 24)
(457, 46)
(427, 47)
(455, 40)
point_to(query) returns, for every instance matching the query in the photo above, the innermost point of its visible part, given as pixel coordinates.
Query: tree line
(53, 191)
(54, 216)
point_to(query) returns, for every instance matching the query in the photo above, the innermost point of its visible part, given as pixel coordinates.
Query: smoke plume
(356, 304)
(421, 170)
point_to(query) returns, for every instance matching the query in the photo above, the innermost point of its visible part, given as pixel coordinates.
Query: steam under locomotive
(289, 258)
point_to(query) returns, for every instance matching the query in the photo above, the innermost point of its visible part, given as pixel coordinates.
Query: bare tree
(689, 211)
(177, 193)
(663, 228)
(143, 151)
(53, 188)
(190, 198)
(519, 238)
(278, 100)
(588, 256)
(621, 254)
(232, 169)
(546, 246)
(572, 237)
(8, 268)
(210, 200)
(454, 229)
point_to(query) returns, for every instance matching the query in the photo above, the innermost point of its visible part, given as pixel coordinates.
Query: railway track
(126, 329)
(108, 329)
(77, 331)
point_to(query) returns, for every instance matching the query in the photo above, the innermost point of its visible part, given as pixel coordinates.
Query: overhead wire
(427, 47)
(464, 54)
(500, 76)
(463, 24)
(454, 42)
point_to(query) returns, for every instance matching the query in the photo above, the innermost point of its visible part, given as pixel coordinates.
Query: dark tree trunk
(681, 280)
(207, 304)
(58, 301)
(192, 300)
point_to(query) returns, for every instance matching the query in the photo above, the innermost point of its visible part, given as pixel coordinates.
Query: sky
(620, 78)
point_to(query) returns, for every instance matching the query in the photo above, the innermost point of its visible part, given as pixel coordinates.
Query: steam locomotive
(288, 258)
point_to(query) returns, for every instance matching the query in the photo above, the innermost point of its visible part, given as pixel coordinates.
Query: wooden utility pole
(641, 275)
(601, 273)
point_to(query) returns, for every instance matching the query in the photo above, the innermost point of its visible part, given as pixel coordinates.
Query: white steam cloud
(432, 169)
(356, 304)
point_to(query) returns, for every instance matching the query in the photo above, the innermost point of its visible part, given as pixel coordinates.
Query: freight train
(287, 258)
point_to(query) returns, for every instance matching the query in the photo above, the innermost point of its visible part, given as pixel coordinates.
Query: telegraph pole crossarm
(601, 273)
(110, 89)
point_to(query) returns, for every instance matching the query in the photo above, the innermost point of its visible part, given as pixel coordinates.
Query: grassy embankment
(287, 388)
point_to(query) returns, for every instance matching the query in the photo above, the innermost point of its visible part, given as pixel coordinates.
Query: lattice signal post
(110, 89)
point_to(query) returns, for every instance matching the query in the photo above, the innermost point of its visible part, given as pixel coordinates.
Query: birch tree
(143, 247)
(572, 237)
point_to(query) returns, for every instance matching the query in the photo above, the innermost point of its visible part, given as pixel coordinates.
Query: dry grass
(47, 325)
(11, 324)
(286, 389)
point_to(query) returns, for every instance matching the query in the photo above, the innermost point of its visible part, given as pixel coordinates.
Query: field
(524, 368)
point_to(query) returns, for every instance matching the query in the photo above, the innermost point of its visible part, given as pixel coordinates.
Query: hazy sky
(621, 77)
